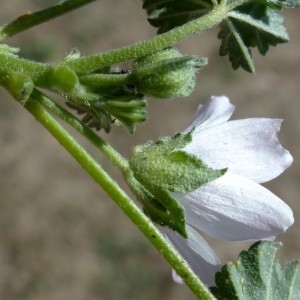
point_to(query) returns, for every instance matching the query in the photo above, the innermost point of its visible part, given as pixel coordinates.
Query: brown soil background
(61, 238)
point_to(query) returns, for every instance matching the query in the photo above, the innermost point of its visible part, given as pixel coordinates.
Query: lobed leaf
(167, 14)
(233, 45)
(284, 3)
(254, 24)
(258, 275)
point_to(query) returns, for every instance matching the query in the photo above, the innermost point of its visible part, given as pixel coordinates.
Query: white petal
(216, 110)
(235, 208)
(195, 250)
(248, 147)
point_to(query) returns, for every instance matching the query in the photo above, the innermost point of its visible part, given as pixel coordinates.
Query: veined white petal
(216, 110)
(195, 250)
(248, 147)
(235, 208)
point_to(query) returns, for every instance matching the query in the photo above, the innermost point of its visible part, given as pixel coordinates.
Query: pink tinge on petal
(216, 110)
(247, 147)
(196, 252)
(235, 208)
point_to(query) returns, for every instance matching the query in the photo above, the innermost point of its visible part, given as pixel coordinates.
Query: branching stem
(120, 197)
(91, 63)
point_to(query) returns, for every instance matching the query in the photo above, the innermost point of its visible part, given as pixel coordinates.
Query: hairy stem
(115, 157)
(91, 63)
(29, 20)
(12, 63)
(120, 197)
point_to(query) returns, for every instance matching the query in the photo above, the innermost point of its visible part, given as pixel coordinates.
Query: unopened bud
(166, 74)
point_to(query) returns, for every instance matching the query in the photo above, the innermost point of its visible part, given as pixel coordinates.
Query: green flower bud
(166, 74)
(123, 107)
(127, 110)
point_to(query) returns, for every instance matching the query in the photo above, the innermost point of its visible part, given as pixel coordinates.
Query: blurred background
(61, 237)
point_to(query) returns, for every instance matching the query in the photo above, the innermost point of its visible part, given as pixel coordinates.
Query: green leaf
(251, 25)
(233, 45)
(255, 24)
(284, 3)
(258, 275)
(167, 14)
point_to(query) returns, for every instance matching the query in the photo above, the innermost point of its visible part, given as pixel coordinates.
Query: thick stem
(12, 63)
(91, 63)
(84, 65)
(120, 197)
(29, 20)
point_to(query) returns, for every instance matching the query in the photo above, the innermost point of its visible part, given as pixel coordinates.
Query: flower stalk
(213, 171)
(91, 63)
(114, 156)
(120, 198)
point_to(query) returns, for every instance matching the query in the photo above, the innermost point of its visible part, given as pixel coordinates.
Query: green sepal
(167, 212)
(191, 172)
(163, 165)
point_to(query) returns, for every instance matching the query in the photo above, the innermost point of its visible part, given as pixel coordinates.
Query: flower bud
(166, 74)
(122, 107)
(127, 110)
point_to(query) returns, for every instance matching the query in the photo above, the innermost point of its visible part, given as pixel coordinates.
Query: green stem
(91, 63)
(29, 20)
(105, 80)
(115, 157)
(82, 65)
(120, 197)
(12, 63)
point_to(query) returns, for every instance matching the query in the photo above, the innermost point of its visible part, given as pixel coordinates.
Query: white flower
(234, 207)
